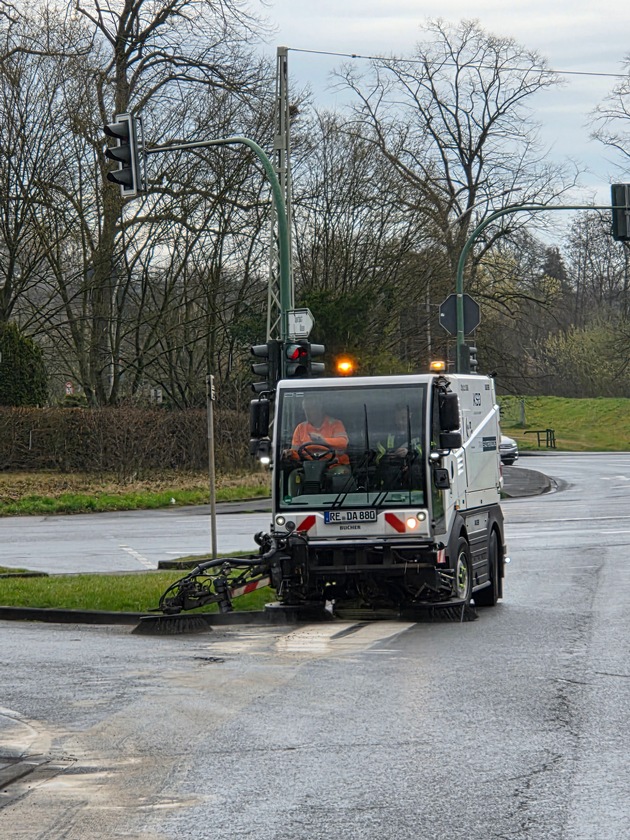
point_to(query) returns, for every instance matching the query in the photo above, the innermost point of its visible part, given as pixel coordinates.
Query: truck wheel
(489, 596)
(463, 577)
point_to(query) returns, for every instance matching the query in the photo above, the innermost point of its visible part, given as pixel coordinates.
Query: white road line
(324, 640)
(582, 519)
(139, 557)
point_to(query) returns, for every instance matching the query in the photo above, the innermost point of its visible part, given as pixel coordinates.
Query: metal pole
(210, 397)
(459, 285)
(282, 146)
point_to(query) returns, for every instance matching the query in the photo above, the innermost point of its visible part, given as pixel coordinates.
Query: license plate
(332, 517)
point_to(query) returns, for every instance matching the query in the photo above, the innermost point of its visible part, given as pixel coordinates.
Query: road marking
(144, 561)
(328, 640)
(582, 519)
(194, 554)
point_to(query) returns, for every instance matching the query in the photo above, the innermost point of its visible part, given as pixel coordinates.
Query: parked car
(508, 450)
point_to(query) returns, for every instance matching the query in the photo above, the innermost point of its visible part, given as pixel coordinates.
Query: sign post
(210, 398)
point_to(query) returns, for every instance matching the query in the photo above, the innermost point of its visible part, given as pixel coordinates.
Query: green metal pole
(459, 286)
(284, 256)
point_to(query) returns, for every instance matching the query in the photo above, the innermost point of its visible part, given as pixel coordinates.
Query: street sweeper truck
(385, 496)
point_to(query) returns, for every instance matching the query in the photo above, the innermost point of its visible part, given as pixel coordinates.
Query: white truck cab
(407, 511)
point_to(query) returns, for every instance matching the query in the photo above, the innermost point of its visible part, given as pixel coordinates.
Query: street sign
(448, 314)
(299, 322)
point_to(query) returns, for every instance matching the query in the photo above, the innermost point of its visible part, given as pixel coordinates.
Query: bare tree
(187, 67)
(599, 270)
(152, 56)
(30, 80)
(454, 121)
(358, 260)
(612, 119)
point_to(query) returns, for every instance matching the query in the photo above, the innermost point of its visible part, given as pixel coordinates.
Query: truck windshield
(351, 446)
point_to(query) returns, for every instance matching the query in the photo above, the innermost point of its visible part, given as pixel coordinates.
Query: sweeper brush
(220, 581)
(171, 625)
(212, 582)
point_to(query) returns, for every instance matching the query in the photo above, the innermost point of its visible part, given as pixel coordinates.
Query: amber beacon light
(345, 366)
(438, 366)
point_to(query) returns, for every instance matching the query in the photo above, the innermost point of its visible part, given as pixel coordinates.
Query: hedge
(122, 440)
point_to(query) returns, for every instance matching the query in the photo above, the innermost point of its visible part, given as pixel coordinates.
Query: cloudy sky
(573, 35)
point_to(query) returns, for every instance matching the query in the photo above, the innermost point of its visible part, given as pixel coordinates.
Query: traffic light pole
(284, 254)
(516, 208)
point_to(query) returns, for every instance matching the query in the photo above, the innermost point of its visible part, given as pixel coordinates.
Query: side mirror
(261, 449)
(441, 479)
(450, 440)
(449, 412)
(259, 418)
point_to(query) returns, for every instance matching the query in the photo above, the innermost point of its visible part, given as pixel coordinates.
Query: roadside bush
(23, 378)
(127, 441)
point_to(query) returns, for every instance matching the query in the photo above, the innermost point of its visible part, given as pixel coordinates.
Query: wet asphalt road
(126, 541)
(512, 726)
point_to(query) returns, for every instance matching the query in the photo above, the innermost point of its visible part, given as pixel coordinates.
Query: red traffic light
(295, 352)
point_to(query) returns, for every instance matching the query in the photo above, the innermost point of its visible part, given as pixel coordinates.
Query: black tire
(462, 583)
(489, 595)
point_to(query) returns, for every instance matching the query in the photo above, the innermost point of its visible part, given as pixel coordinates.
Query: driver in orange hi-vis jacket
(319, 428)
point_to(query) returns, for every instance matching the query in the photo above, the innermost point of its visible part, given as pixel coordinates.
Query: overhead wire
(396, 59)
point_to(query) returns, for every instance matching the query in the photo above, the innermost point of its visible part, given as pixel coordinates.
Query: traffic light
(620, 200)
(129, 175)
(315, 368)
(467, 358)
(472, 359)
(296, 358)
(269, 369)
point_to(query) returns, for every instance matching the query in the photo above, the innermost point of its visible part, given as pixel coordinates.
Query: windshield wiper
(380, 499)
(342, 494)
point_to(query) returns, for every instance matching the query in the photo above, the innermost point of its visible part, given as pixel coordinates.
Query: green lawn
(43, 493)
(596, 425)
(116, 593)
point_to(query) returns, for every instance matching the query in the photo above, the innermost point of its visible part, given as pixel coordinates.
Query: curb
(275, 615)
(526, 483)
(68, 616)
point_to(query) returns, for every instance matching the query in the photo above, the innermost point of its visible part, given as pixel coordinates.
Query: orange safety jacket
(331, 430)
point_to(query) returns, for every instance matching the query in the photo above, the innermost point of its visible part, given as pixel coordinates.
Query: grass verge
(580, 425)
(138, 592)
(46, 493)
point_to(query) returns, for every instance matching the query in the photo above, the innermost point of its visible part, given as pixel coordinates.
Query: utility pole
(282, 165)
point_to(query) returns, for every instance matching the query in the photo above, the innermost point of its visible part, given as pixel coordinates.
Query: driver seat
(295, 482)
(307, 479)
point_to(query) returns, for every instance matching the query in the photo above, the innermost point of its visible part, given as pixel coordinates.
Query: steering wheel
(317, 451)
